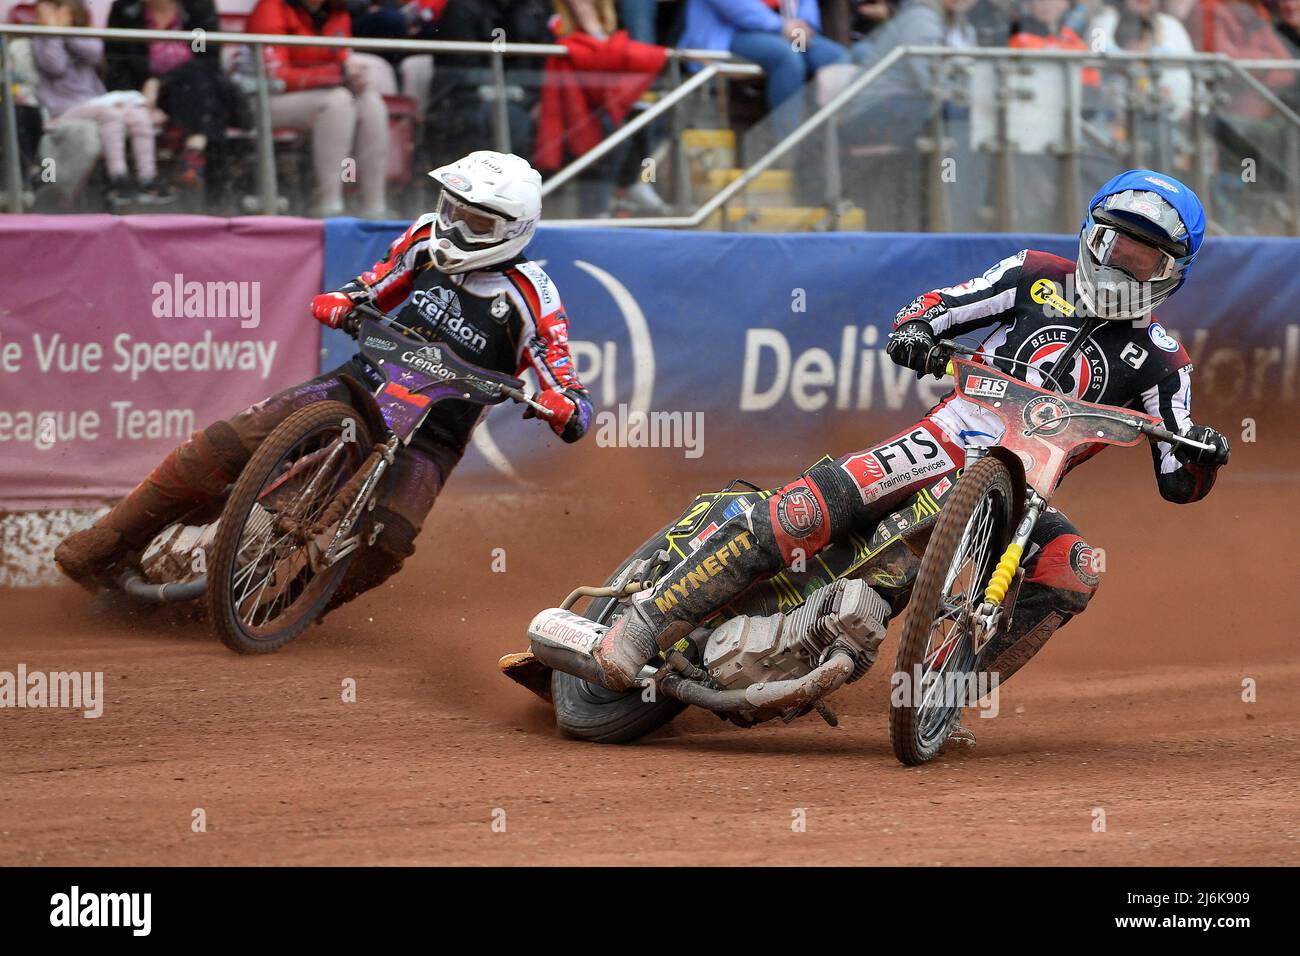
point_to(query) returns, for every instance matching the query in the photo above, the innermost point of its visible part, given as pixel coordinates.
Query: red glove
(332, 308)
(561, 406)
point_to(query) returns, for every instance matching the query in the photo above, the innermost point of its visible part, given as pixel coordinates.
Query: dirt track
(1134, 709)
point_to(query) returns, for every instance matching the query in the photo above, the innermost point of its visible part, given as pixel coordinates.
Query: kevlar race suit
(1023, 300)
(508, 318)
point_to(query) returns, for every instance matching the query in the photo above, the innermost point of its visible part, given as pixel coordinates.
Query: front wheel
(266, 580)
(936, 665)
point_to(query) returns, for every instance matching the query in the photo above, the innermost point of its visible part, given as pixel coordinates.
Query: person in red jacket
(1043, 29)
(330, 95)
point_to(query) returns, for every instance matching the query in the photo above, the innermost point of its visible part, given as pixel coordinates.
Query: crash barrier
(118, 336)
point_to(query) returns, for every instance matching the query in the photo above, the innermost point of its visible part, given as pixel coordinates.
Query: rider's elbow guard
(1187, 483)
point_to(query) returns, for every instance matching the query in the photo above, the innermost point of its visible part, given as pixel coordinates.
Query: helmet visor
(1115, 248)
(474, 226)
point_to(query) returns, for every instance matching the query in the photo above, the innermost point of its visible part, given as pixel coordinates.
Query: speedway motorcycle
(271, 551)
(951, 556)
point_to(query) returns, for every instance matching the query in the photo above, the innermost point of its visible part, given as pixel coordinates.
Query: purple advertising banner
(120, 337)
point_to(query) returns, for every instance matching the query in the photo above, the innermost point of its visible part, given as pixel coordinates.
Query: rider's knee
(1068, 566)
(204, 465)
(806, 514)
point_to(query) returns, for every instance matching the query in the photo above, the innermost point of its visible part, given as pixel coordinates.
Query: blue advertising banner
(786, 332)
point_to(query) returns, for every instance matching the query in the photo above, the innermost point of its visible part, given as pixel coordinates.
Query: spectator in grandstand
(330, 95)
(596, 18)
(867, 18)
(784, 38)
(1136, 25)
(1079, 17)
(396, 20)
(462, 107)
(70, 89)
(183, 81)
(27, 108)
(639, 18)
(916, 23)
(992, 21)
(587, 95)
(1043, 27)
(896, 108)
(1286, 20)
(1244, 30)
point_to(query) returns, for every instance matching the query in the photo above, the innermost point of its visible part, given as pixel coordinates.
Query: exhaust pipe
(137, 587)
(796, 693)
(563, 640)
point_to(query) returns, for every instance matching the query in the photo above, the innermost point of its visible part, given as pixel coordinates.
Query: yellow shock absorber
(1003, 573)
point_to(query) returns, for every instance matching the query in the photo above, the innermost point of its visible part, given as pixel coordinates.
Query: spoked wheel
(266, 579)
(936, 657)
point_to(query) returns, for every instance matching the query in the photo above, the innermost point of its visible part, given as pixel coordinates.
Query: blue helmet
(1140, 235)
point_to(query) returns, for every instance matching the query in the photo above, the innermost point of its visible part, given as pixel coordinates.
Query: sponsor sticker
(1162, 339)
(799, 513)
(375, 342)
(1089, 374)
(702, 573)
(896, 464)
(1045, 415)
(983, 386)
(942, 488)
(1162, 183)
(1083, 560)
(457, 181)
(738, 506)
(1044, 293)
(705, 534)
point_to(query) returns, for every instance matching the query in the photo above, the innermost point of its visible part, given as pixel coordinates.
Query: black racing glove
(1196, 456)
(912, 345)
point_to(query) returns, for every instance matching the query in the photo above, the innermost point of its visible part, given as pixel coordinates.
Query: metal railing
(723, 62)
(822, 120)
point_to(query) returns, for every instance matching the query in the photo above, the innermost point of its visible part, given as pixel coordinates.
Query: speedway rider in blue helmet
(1086, 326)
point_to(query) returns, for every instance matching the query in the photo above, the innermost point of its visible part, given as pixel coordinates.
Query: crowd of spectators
(172, 120)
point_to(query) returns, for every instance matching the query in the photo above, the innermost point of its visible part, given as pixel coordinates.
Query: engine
(749, 650)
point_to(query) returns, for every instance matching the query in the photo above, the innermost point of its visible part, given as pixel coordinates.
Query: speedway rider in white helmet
(464, 279)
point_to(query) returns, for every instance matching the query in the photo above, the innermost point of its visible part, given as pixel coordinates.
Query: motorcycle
(950, 555)
(271, 551)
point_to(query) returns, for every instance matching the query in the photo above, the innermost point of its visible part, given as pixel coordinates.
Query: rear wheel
(587, 711)
(265, 580)
(936, 656)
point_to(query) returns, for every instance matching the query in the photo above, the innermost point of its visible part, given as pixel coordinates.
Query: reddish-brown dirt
(1135, 711)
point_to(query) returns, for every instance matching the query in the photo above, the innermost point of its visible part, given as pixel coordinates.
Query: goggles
(1115, 248)
(474, 226)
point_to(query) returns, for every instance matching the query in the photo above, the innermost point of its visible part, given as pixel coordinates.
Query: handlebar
(517, 394)
(1152, 431)
(352, 326)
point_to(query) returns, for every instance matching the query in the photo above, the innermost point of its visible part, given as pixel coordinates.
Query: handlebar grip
(1165, 435)
(538, 408)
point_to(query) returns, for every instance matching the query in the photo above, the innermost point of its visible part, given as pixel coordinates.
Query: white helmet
(487, 212)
